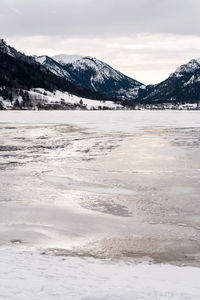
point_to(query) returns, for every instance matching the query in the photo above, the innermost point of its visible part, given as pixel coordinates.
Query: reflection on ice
(68, 183)
(111, 184)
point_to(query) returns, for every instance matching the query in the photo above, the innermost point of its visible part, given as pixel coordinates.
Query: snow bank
(25, 275)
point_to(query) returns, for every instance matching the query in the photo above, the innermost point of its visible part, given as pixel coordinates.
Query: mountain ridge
(20, 71)
(93, 74)
(183, 85)
(91, 78)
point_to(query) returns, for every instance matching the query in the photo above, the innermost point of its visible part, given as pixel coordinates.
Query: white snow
(68, 98)
(190, 81)
(52, 66)
(40, 59)
(66, 59)
(189, 67)
(101, 70)
(89, 102)
(30, 276)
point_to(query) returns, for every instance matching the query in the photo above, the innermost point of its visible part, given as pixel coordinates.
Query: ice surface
(123, 121)
(111, 185)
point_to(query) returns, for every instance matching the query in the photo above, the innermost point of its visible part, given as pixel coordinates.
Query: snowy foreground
(31, 276)
(99, 205)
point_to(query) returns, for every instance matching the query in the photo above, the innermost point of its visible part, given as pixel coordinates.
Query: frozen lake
(105, 185)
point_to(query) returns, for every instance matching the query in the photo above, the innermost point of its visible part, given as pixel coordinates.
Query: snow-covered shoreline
(30, 276)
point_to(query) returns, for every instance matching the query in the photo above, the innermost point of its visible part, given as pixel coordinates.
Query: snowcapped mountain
(183, 85)
(93, 74)
(22, 72)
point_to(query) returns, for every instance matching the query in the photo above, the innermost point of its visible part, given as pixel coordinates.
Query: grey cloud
(98, 17)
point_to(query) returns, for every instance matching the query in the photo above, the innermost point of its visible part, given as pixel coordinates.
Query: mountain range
(91, 78)
(92, 74)
(183, 85)
(20, 71)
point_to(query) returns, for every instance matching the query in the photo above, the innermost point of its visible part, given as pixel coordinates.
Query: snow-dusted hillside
(66, 98)
(93, 74)
(42, 99)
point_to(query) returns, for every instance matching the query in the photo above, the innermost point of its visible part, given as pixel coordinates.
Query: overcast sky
(145, 39)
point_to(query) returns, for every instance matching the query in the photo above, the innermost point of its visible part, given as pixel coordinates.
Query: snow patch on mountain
(101, 69)
(190, 81)
(191, 66)
(64, 59)
(52, 66)
(40, 59)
